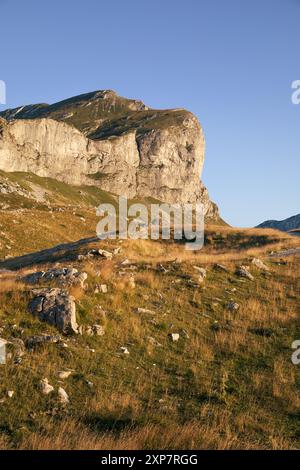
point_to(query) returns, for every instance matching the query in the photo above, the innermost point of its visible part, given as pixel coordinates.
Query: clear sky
(231, 62)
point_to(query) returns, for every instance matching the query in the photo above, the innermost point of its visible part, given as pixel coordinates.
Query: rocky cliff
(118, 144)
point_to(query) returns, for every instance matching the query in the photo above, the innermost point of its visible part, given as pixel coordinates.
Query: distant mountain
(286, 225)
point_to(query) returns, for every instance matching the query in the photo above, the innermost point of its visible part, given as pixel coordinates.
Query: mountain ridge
(286, 225)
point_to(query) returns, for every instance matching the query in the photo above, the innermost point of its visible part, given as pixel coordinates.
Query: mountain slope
(286, 225)
(228, 382)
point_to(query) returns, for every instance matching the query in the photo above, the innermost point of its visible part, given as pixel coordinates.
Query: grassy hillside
(227, 383)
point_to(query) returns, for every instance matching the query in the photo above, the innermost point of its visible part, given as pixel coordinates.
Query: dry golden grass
(227, 384)
(148, 279)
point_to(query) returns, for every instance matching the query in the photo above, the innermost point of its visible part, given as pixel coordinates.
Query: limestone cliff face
(51, 148)
(115, 143)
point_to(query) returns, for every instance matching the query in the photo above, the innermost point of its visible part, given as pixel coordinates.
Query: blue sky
(230, 62)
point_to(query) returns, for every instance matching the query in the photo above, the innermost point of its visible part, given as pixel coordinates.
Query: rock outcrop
(64, 277)
(56, 307)
(115, 143)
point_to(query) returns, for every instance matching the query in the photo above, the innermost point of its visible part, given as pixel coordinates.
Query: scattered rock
(202, 273)
(98, 330)
(125, 262)
(145, 311)
(81, 330)
(46, 388)
(162, 269)
(65, 277)
(221, 267)
(258, 263)
(56, 307)
(105, 254)
(63, 396)
(124, 350)
(233, 306)
(243, 271)
(64, 374)
(185, 333)
(200, 270)
(82, 257)
(103, 288)
(88, 330)
(39, 340)
(174, 337)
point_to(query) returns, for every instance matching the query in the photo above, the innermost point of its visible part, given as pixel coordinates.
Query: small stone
(80, 330)
(124, 350)
(201, 271)
(98, 330)
(233, 306)
(63, 396)
(103, 288)
(258, 263)
(10, 393)
(64, 374)
(243, 271)
(46, 387)
(175, 336)
(105, 254)
(38, 340)
(221, 267)
(89, 331)
(126, 262)
(145, 311)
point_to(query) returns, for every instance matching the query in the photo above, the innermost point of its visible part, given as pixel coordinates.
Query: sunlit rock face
(105, 140)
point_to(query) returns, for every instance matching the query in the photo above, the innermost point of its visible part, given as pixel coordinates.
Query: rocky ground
(142, 344)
